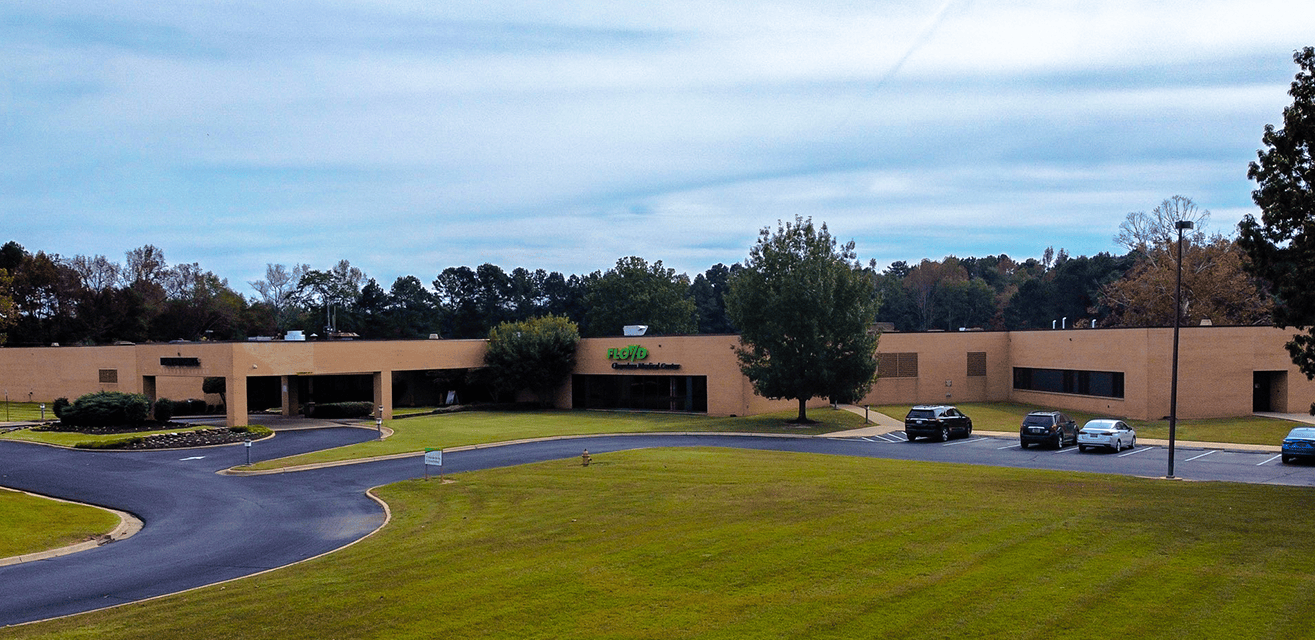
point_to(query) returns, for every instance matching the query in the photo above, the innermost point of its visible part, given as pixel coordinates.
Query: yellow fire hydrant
(584, 458)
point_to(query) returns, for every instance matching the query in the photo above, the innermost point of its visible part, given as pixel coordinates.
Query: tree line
(94, 300)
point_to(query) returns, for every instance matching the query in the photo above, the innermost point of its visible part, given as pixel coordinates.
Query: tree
(536, 355)
(1215, 283)
(7, 316)
(279, 291)
(634, 292)
(708, 292)
(804, 307)
(1282, 245)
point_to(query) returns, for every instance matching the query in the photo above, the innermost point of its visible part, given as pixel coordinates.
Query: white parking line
(950, 444)
(1202, 455)
(1271, 459)
(1121, 455)
(1068, 450)
(1016, 444)
(865, 439)
(192, 458)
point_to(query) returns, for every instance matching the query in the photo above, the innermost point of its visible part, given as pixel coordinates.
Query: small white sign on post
(434, 457)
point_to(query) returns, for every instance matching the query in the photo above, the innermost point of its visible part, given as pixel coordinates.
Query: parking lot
(1150, 458)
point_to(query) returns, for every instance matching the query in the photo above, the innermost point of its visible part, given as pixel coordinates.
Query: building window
(109, 376)
(976, 364)
(1105, 384)
(897, 365)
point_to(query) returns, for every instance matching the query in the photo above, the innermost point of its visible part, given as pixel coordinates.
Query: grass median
(481, 427)
(705, 543)
(29, 524)
(74, 438)
(1007, 416)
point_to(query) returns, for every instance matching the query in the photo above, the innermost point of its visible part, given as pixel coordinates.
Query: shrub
(164, 409)
(343, 410)
(107, 408)
(62, 403)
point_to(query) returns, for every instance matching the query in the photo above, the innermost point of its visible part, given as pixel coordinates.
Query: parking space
(1144, 460)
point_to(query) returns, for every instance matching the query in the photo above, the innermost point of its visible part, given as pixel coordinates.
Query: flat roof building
(1123, 372)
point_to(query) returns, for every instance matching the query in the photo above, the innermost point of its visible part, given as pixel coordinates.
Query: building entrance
(648, 393)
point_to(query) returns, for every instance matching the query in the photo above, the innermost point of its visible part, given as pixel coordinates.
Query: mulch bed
(187, 439)
(112, 430)
(178, 440)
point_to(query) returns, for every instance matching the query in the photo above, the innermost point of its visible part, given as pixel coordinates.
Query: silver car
(1115, 434)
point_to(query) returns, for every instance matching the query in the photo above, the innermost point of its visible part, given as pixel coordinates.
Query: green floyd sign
(630, 354)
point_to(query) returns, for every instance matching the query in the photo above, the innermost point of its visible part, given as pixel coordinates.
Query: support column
(235, 397)
(383, 394)
(291, 401)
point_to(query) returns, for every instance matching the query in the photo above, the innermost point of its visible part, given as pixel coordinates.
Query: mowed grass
(704, 543)
(29, 524)
(1007, 416)
(480, 427)
(24, 411)
(71, 438)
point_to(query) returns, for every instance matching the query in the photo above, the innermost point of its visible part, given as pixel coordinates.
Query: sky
(408, 137)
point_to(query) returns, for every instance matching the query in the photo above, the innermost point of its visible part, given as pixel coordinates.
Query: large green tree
(535, 355)
(804, 307)
(635, 292)
(1282, 244)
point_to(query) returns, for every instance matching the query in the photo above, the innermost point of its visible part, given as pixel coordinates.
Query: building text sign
(629, 357)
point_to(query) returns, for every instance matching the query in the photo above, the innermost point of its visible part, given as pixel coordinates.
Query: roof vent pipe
(1053, 323)
(1064, 325)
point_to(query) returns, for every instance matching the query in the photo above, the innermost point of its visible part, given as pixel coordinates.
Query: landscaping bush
(343, 410)
(62, 403)
(107, 408)
(164, 409)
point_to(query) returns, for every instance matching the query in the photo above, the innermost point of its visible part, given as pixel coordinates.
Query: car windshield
(1038, 421)
(921, 413)
(1307, 433)
(1100, 425)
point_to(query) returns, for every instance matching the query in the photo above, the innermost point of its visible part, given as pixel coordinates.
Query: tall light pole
(1181, 225)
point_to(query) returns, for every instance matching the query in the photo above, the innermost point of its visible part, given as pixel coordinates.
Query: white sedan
(1115, 434)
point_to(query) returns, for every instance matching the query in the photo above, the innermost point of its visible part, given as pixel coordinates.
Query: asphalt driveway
(202, 528)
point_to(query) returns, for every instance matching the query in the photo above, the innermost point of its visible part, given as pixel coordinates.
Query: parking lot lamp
(1181, 225)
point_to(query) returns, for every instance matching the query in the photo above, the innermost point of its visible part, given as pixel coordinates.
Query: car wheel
(1287, 459)
(1118, 445)
(945, 434)
(1082, 448)
(1059, 440)
(910, 436)
(1133, 444)
(1022, 445)
(969, 432)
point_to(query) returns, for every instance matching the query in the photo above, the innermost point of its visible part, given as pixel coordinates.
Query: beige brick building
(1224, 371)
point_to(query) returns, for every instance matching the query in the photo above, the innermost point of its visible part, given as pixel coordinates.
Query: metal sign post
(434, 457)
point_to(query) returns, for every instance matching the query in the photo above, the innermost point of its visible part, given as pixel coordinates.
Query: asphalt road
(201, 528)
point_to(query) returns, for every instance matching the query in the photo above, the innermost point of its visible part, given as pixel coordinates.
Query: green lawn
(702, 543)
(70, 439)
(23, 411)
(1006, 416)
(29, 524)
(479, 427)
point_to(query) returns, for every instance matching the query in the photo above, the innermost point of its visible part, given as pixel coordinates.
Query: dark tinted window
(922, 414)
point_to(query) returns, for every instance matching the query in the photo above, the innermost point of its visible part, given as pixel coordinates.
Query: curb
(128, 526)
(234, 471)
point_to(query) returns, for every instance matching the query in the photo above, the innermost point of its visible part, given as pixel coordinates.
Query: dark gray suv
(1048, 427)
(936, 421)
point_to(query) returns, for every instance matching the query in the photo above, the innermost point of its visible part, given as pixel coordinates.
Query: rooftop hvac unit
(635, 329)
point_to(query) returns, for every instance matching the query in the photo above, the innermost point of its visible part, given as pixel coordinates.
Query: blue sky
(408, 137)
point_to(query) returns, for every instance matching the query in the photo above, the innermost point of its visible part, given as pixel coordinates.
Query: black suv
(938, 421)
(1048, 427)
